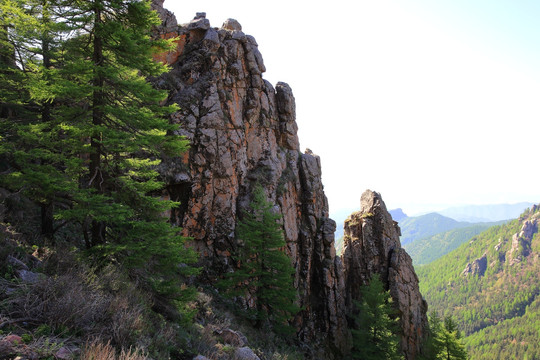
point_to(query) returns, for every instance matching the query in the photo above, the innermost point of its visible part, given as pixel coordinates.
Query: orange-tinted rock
(243, 131)
(170, 57)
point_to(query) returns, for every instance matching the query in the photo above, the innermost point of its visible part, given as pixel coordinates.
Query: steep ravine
(243, 131)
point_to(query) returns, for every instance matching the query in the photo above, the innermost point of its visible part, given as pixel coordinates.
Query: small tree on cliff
(444, 341)
(264, 270)
(376, 334)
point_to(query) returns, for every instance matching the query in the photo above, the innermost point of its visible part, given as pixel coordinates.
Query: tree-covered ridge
(419, 227)
(489, 280)
(425, 250)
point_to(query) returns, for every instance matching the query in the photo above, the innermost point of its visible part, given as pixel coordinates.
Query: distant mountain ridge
(419, 227)
(485, 213)
(397, 214)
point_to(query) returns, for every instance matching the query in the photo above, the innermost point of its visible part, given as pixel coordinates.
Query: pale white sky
(430, 103)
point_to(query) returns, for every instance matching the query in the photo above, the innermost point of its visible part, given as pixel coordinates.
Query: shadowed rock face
(372, 248)
(243, 131)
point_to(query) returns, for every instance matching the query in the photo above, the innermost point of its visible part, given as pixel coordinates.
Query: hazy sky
(430, 103)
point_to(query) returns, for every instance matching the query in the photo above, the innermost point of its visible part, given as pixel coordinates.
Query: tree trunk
(47, 221)
(98, 99)
(47, 210)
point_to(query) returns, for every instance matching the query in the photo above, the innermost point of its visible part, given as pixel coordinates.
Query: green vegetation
(515, 338)
(498, 306)
(375, 336)
(84, 145)
(265, 272)
(82, 131)
(419, 227)
(423, 251)
(444, 341)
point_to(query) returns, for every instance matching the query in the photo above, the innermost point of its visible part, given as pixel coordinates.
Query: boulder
(231, 24)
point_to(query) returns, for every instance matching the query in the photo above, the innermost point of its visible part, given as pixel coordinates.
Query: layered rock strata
(372, 248)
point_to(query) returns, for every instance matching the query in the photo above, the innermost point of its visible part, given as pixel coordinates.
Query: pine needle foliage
(375, 336)
(444, 341)
(85, 129)
(264, 271)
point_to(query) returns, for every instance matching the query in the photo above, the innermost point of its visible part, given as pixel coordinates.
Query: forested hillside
(425, 250)
(490, 286)
(419, 227)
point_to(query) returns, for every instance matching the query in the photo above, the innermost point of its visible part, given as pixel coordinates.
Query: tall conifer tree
(97, 129)
(264, 270)
(375, 336)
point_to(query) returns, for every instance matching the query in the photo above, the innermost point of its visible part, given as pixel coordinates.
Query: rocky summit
(372, 248)
(242, 131)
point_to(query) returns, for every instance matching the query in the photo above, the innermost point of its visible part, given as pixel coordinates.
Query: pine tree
(444, 341)
(264, 270)
(375, 335)
(92, 128)
(28, 46)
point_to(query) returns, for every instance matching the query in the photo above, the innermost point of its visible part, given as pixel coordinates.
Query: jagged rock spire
(372, 248)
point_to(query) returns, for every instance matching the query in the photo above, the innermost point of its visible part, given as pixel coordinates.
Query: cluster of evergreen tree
(444, 340)
(82, 128)
(376, 330)
(264, 272)
(375, 335)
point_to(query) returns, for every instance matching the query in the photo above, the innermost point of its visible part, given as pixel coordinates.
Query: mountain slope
(510, 339)
(490, 283)
(419, 227)
(426, 250)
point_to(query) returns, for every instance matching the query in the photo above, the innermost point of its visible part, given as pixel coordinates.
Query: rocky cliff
(242, 132)
(372, 248)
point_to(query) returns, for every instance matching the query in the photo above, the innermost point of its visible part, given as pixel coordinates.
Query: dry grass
(100, 351)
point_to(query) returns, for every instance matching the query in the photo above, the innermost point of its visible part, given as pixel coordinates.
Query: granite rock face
(242, 131)
(372, 248)
(478, 267)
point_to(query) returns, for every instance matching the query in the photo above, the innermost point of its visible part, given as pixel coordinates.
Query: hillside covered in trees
(490, 286)
(425, 250)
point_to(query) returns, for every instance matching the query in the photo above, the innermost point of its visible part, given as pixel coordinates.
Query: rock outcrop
(478, 267)
(521, 242)
(243, 131)
(372, 248)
